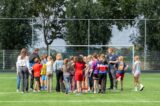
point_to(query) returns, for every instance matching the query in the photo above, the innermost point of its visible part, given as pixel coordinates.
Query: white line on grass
(82, 101)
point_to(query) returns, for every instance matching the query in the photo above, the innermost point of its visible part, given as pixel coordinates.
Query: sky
(118, 38)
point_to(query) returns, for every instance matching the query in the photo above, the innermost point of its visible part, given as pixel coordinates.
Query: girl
(59, 74)
(49, 73)
(136, 73)
(37, 70)
(79, 66)
(90, 73)
(66, 75)
(120, 67)
(43, 72)
(102, 73)
(95, 72)
(85, 76)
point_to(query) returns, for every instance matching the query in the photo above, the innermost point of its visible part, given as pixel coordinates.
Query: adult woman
(23, 67)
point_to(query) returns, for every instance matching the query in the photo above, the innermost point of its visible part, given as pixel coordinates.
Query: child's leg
(95, 85)
(121, 84)
(35, 86)
(38, 84)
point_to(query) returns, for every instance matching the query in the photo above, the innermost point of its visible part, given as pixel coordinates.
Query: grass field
(149, 97)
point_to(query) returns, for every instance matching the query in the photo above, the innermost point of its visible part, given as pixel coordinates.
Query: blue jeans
(67, 83)
(18, 81)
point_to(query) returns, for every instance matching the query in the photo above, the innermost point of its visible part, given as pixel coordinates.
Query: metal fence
(8, 58)
(91, 29)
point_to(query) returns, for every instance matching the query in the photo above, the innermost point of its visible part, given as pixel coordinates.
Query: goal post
(73, 50)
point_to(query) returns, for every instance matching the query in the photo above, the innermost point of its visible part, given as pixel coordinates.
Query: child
(59, 74)
(120, 67)
(102, 73)
(90, 73)
(79, 67)
(43, 72)
(85, 76)
(95, 72)
(49, 73)
(136, 73)
(37, 69)
(66, 75)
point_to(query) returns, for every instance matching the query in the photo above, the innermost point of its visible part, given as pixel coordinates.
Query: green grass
(149, 97)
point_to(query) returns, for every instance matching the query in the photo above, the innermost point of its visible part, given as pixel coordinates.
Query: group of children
(82, 73)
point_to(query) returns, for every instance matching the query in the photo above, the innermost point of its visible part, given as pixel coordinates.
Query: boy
(37, 69)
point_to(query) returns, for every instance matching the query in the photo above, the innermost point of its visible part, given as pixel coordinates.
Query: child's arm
(126, 67)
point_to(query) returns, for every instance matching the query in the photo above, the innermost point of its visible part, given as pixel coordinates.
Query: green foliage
(14, 34)
(47, 11)
(100, 31)
(149, 9)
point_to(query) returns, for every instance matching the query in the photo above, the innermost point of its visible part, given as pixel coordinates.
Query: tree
(47, 12)
(100, 32)
(17, 33)
(149, 9)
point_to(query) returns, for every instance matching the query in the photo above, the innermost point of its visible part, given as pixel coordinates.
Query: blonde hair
(136, 57)
(50, 59)
(89, 57)
(102, 56)
(121, 58)
(59, 56)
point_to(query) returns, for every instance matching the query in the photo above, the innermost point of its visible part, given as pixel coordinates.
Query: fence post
(88, 36)
(133, 52)
(145, 45)
(3, 60)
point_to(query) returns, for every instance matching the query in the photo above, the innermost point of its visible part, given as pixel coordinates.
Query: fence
(8, 58)
(95, 32)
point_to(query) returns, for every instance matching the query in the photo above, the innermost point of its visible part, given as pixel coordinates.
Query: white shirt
(49, 67)
(137, 66)
(22, 62)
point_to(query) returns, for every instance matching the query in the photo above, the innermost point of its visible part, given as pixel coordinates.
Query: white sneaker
(17, 90)
(136, 89)
(95, 92)
(141, 87)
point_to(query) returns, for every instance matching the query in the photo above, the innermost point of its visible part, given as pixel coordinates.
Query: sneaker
(17, 90)
(95, 92)
(141, 87)
(34, 91)
(136, 89)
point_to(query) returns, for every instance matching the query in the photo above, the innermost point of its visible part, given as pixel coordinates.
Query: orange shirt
(37, 69)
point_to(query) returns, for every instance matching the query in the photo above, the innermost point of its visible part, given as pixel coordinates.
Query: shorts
(119, 77)
(37, 79)
(43, 77)
(95, 77)
(136, 74)
(79, 77)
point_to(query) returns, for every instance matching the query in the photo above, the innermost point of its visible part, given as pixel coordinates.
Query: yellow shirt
(43, 70)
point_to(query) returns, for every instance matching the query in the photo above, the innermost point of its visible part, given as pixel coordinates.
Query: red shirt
(79, 66)
(37, 69)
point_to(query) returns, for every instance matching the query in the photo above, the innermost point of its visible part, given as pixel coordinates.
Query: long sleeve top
(22, 62)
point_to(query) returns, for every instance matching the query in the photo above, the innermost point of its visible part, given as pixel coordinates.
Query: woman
(23, 67)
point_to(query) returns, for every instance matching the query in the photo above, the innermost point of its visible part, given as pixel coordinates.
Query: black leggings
(59, 80)
(102, 81)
